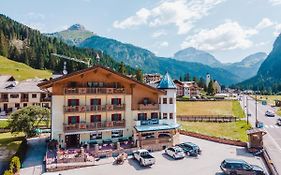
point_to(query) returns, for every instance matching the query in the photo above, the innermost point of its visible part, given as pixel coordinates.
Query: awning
(144, 128)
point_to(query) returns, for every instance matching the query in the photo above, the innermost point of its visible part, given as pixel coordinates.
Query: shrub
(15, 164)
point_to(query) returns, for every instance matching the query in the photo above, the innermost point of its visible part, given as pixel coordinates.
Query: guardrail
(269, 163)
(207, 118)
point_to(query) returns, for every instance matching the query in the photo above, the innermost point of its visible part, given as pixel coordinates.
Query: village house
(15, 95)
(98, 105)
(151, 78)
(187, 88)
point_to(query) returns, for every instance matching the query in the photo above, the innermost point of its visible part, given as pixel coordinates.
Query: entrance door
(72, 141)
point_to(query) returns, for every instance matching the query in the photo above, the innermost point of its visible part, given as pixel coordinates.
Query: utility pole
(256, 108)
(247, 110)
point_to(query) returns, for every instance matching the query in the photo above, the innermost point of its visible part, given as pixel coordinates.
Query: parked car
(176, 152)
(278, 122)
(190, 149)
(269, 113)
(144, 157)
(235, 167)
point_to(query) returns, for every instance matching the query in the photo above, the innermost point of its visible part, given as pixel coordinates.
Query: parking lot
(206, 164)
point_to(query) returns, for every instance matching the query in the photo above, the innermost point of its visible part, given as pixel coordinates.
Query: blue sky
(229, 29)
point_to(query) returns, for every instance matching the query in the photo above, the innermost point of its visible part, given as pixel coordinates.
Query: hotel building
(97, 104)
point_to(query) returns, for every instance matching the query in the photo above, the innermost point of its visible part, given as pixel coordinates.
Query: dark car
(240, 167)
(278, 122)
(190, 149)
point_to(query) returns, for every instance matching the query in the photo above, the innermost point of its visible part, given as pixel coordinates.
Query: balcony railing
(4, 99)
(23, 99)
(95, 108)
(94, 90)
(148, 106)
(94, 126)
(46, 99)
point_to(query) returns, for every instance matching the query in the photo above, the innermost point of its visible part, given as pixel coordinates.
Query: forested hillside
(23, 44)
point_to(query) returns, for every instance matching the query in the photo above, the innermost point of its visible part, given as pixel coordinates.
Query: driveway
(33, 163)
(206, 164)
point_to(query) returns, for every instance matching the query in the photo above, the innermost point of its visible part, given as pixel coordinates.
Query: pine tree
(210, 89)
(122, 68)
(139, 75)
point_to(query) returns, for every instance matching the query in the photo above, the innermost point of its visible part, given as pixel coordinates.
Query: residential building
(217, 86)
(187, 88)
(151, 78)
(15, 95)
(97, 105)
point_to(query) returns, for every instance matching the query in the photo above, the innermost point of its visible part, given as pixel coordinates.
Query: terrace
(83, 126)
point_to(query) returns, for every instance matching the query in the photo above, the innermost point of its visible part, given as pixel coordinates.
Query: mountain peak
(76, 27)
(192, 54)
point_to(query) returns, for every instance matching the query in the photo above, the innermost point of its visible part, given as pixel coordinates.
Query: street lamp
(247, 110)
(256, 109)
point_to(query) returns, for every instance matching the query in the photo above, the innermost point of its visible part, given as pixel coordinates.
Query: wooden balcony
(96, 108)
(148, 106)
(104, 90)
(94, 126)
(46, 99)
(23, 99)
(4, 99)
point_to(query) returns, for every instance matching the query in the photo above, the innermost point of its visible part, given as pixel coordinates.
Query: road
(272, 140)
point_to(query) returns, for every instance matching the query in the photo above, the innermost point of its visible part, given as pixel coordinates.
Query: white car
(269, 113)
(176, 152)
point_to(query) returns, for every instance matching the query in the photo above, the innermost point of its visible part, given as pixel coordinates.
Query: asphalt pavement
(272, 140)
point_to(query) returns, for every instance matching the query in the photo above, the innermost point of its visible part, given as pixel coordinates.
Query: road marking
(265, 126)
(271, 126)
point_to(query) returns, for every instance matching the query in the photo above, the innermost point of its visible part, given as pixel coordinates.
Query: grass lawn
(210, 108)
(3, 123)
(21, 71)
(231, 130)
(269, 98)
(11, 141)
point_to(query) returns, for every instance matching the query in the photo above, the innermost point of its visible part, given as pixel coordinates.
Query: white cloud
(264, 23)
(164, 44)
(140, 18)
(227, 36)
(277, 29)
(275, 2)
(182, 13)
(157, 34)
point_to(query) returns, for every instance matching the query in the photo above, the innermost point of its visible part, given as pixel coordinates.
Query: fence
(207, 118)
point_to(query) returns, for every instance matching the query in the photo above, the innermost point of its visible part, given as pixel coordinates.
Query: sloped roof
(166, 83)
(49, 83)
(22, 87)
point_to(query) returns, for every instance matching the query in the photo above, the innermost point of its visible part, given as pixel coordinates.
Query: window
(116, 117)
(171, 101)
(171, 115)
(73, 119)
(159, 100)
(73, 102)
(116, 133)
(154, 115)
(95, 118)
(159, 115)
(164, 100)
(95, 101)
(96, 135)
(146, 101)
(34, 95)
(17, 105)
(25, 104)
(116, 101)
(165, 116)
(142, 116)
(14, 96)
